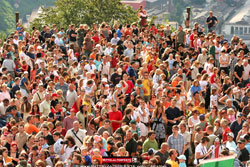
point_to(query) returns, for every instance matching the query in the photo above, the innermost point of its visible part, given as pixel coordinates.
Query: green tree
(78, 12)
(7, 17)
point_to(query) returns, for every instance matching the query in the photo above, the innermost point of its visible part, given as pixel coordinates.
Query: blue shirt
(87, 159)
(131, 72)
(194, 89)
(248, 147)
(182, 164)
(23, 80)
(119, 33)
(97, 63)
(31, 55)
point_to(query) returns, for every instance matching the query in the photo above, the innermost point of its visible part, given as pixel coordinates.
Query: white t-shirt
(203, 84)
(200, 149)
(213, 99)
(209, 68)
(246, 72)
(217, 55)
(90, 68)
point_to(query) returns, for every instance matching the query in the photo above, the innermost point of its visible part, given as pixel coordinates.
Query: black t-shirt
(81, 34)
(239, 70)
(214, 19)
(53, 103)
(163, 157)
(47, 35)
(178, 64)
(243, 155)
(131, 146)
(135, 31)
(71, 38)
(115, 78)
(172, 113)
(50, 140)
(58, 116)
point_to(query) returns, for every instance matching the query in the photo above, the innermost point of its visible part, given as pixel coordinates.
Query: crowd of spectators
(74, 96)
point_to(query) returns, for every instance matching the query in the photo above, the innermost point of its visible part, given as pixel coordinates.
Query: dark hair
(205, 139)
(106, 121)
(71, 139)
(78, 157)
(151, 133)
(171, 152)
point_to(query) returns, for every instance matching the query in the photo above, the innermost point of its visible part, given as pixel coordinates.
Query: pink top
(4, 95)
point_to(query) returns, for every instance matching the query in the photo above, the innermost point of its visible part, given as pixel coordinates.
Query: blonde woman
(60, 94)
(195, 69)
(121, 152)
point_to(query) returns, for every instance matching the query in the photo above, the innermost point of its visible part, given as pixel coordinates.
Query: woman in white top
(201, 152)
(203, 81)
(224, 61)
(71, 54)
(208, 67)
(68, 149)
(180, 102)
(193, 120)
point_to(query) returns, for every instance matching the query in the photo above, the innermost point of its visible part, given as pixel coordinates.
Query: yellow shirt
(148, 58)
(88, 106)
(145, 84)
(200, 109)
(172, 163)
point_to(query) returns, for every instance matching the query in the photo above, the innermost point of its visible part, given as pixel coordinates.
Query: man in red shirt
(96, 37)
(115, 116)
(192, 37)
(153, 28)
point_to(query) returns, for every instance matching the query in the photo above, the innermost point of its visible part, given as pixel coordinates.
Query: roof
(243, 12)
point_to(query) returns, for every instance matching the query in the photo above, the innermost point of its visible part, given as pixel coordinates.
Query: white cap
(230, 134)
(104, 80)
(119, 71)
(182, 157)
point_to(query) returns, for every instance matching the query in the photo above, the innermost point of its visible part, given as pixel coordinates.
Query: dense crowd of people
(75, 96)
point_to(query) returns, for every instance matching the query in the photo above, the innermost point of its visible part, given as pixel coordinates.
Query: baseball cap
(242, 140)
(8, 55)
(133, 122)
(119, 71)
(231, 134)
(104, 80)
(182, 157)
(54, 95)
(118, 85)
(202, 116)
(39, 47)
(151, 151)
(239, 114)
(25, 72)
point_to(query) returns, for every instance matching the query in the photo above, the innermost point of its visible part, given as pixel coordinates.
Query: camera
(64, 142)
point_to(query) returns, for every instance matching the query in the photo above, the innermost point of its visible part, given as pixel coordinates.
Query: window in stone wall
(236, 30)
(245, 30)
(232, 30)
(241, 30)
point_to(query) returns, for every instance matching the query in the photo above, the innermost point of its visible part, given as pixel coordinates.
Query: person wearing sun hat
(230, 144)
(182, 159)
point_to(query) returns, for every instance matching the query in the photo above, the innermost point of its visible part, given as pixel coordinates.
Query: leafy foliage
(24, 7)
(177, 14)
(78, 12)
(7, 17)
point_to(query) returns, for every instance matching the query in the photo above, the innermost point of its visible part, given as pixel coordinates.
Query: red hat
(73, 110)
(54, 95)
(13, 144)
